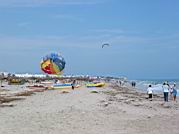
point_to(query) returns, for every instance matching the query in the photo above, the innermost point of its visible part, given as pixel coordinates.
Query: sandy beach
(89, 67)
(108, 110)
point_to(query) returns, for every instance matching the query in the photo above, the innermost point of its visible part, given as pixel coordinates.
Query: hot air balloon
(53, 63)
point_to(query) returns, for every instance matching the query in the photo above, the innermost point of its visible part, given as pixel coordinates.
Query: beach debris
(102, 101)
(106, 104)
(64, 92)
(24, 93)
(111, 92)
(53, 63)
(94, 91)
(83, 112)
(127, 102)
(167, 105)
(36, 87)
(38, 90)
(5, 99)
(124, 111)
(6, 105)
(137, 104)
(148, 117)
(2, 90)
(111, 99)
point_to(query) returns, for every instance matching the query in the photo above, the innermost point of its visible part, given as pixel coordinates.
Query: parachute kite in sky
(53, 63)
(105, 45)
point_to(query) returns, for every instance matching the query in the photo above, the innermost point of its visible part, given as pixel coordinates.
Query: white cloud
(84, 42)
(109, 31)
(23, 24)
(32, 3)
(67, 17)
(42, 43)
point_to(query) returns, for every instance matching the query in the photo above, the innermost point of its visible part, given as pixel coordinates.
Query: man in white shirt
(165, 91)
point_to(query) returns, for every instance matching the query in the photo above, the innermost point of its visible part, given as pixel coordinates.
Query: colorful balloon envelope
(53, 63)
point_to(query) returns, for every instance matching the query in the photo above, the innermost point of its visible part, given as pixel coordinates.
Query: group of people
(167, 90)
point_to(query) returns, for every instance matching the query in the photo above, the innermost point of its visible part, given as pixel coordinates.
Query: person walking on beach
(150, 92)
(174, 92)
(171, 91)
(165, 88)
(120, 83)
(73, 84)
(133, 84)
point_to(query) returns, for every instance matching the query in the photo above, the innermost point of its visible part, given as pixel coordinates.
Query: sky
(143, 36)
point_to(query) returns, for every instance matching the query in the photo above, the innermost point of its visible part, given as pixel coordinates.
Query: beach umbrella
(53, 63)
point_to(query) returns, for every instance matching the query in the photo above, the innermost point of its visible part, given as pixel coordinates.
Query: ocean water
(156, 85)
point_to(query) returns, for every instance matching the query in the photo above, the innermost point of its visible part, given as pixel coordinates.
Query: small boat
(16, 82)
(63, 86)
(47, 82)
(98, 84)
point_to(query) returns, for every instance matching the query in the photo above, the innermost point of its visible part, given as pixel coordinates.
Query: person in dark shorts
(73, 85)
(150, 91)
(165, 91)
